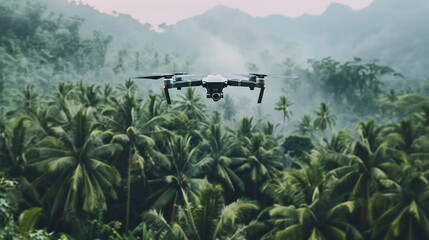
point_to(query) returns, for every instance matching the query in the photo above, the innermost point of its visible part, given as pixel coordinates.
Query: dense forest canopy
(86, 152)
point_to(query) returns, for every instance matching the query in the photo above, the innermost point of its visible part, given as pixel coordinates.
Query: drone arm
(187, 83)
(241, 83)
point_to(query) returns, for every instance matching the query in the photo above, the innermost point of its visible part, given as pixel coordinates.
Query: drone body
(213, 83)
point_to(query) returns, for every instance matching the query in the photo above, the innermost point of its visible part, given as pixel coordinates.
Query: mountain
(125, 29)
(394, 31)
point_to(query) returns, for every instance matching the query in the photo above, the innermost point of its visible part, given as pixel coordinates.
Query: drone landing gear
(167, 95)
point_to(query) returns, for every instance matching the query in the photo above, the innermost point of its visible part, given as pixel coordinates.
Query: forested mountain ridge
(389, 30)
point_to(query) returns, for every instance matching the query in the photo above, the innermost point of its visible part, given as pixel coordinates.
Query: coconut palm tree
(159, 226)
(75, 177)
(245, 128)
(215, 220)
(217, 164)
(307, 207)
(409, 137)
(335, 152)
(176, 183)
(88, 94)
(392, 96)
(16, 137)
(283, 105)
(423, 116)
(319, 221)
(191, 105)
(372, 132)
(324, 118)
(361, 177)
(260, 161)
(295, 186)
(207, 218)
(27, 101)
(305, 127)
(126, 116)
(60, 101)
(405, 207)
(228, 108)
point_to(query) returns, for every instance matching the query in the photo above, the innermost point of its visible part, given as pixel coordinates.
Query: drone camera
(217, 96)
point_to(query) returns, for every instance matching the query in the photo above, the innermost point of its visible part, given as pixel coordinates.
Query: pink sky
(156, 12)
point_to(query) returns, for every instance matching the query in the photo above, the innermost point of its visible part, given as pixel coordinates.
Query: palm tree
(304, 126)
(335, 152)
(228, 108)
(409, 137)
(214, 219)
(324, 118)
(161, 228)
(423, 116)
(319, 220)
(405, 207)
(260, 161)
(307, 207)
(16, 137)
(126, 116)
(176, 183)
(74, 174)
(360, 179)
(392, 96)
(60, 101)
(128, 86)
(27, 101)
(372, 132)
(217, 163)
(106, 93)
(245, 128)
(88, 94)
(191, 105)
(410, 144)
(283, 105)
(140, 151)
(156, 106)
(295, 186)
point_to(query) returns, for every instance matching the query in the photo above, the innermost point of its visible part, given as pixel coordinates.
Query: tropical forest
(88, 151)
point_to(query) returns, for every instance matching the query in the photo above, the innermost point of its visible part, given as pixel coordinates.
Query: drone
(214, 83)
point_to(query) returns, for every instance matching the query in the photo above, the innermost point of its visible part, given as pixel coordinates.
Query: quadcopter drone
(213, 83)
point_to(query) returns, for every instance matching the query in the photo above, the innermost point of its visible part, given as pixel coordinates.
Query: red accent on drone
(163, 86)
(265, 85)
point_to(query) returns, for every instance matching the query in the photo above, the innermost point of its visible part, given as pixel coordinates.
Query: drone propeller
(261, 75)
(279, 76)
(190, 76)
(180, 75)
(249, 75)
(153, 77)
(169, 74)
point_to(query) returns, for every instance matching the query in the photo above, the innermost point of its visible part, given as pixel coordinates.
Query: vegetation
(81, 160)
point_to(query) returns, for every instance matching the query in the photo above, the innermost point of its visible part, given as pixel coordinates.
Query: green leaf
(28, 219)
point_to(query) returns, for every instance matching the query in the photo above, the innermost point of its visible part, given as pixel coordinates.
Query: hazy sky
(171, 11)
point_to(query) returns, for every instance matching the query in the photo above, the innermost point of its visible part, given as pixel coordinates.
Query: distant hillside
(394, 31)
(122, 27)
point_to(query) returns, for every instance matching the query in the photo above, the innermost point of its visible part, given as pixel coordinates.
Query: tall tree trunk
(127, 215)
(173, 211)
